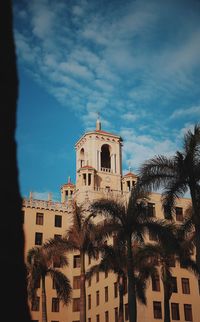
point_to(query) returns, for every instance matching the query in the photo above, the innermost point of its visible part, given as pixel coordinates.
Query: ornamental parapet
(48, 205)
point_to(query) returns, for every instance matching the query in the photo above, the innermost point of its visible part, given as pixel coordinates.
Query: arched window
(82, 157)
(105, 157)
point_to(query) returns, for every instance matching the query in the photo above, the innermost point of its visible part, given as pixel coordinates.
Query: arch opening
(105, 157)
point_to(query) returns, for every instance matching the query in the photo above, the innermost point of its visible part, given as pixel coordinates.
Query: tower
(98, 162)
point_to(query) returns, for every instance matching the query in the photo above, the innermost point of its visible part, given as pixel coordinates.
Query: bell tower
(98, 161)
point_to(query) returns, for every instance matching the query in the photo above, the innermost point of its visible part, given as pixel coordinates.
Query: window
(89, 179)
(97, 318)
(188, 312)
(39, 218)
(35, 305)
(89, 319)
(76, 261)
(106, 316)
(126, 312)
(54, 321)
(89, 282)
(38, 238)
(179, 213)
(151, 209)
(89, 260)
(57, 236)
(175, 311)
(155, 283)
(58, 221)
(116, 314)
(125, 285)
(89, 301)
(76, 305)
(97, 297)
(106, 274)
(55, 305)
(174, 285)
(53, 284)
(37, 283)
(157, 310)
(106, 294)
(199, 286)
(56, 261)
(115, 289)
(185, 285)
(76, 282)
(97, 277)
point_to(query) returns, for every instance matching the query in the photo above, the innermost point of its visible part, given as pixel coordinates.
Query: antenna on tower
(129, 166)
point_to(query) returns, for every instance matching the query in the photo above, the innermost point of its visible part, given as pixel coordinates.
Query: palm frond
(62, 285)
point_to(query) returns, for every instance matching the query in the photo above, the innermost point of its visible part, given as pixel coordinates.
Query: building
(99, 174)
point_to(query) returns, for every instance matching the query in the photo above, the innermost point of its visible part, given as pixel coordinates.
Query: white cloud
(130, 117)
(194, 111)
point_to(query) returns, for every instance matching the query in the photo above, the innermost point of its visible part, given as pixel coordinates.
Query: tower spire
(98, 123)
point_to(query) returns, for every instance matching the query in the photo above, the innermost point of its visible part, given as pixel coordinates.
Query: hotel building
(99, 174)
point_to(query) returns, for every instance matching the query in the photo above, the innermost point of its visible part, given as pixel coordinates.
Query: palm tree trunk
(121, 299)
(132, 306)
(44, 301)
(166, 305)
(82, 289)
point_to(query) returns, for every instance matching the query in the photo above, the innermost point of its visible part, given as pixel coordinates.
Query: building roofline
(100, 132)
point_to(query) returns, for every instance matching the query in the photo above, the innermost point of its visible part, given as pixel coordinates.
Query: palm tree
(40, 264)
(114, 259)
(82, 237)
(177, 174)
(131, 223)
(163, 253)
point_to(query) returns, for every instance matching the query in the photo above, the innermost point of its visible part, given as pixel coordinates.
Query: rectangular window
(89, 301)
(157, 310)
(179, 213)
(125, 285)
(97, 297)
(89, 282)
(55, 305)
(89, 319)
(115, 289)
(76, 305)
(89, 179)
(37, 283)
(57, 236)
(199, 286)
(155, 283)
(35, 305)
(174, 285)
(76, 282)
(39, 218)
(106, 293)
(106, 316)
(116, 314)
(175, 311)
(53, 284)
(97, 318)
(58, 221)
(185, 285)
(151, 209)
(89, 260)
(126, 312)
(56, 262)
(106, 274)
(97, 277)
(76, 261)
(188, 312)
(38, 238)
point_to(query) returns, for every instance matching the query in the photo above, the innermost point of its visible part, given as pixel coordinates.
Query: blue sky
(137, 63)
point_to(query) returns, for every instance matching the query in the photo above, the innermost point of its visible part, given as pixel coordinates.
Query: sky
(136, 63)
